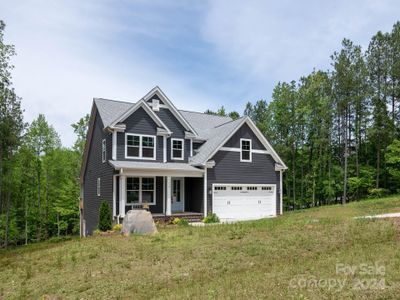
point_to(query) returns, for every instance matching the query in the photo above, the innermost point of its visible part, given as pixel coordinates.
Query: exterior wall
(194, 194)
(229, 169)
(141, 123)
(95, 168)
(244, 132)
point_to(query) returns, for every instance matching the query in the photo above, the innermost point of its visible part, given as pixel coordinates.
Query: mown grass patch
(257, 259)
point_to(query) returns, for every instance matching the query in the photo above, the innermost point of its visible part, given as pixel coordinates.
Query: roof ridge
(229, 122)
(113, 100)
(203, 113)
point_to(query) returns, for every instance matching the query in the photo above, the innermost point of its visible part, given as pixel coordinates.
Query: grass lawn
(274, 258)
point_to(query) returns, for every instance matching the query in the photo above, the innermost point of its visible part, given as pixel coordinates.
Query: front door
(177, 201)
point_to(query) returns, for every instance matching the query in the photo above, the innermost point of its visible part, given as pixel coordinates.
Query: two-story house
(176, 162)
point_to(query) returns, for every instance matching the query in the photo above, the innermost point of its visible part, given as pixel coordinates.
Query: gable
(155, 96)
(140, 122)
(171, 122)
(244, 132)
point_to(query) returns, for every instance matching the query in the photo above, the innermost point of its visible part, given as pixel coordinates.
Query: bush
(377, 192)
(105, 217)
(180, 222)
(117, 227)
(211, 218)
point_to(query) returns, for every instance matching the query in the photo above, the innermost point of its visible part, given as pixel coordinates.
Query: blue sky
(203, 54)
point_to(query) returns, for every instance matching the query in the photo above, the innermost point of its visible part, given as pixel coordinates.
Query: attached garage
(244, 201)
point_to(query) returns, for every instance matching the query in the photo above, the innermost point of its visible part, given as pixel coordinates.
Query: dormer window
(245, 150)
(177, 151)
(140, 146)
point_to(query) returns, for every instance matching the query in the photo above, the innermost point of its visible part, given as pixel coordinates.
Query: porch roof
(159, 168)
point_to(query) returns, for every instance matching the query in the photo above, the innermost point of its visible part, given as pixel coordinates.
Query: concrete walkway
(391, 215)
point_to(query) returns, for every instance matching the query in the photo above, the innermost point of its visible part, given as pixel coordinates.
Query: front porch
(166, 193)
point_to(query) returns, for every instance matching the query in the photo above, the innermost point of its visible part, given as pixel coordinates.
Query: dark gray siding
(141, 123)
(197, 145)
(194, 194)
(229, 169)
(95, 168)
(244, 132)
(155, 97)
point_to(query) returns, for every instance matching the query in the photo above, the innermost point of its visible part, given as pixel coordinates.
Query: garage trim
(243, 184)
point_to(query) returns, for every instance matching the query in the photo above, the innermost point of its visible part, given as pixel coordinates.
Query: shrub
(180, 222)
(105, 217)
(211, 218)
(377, 192)
(97, 232)
(117, 227)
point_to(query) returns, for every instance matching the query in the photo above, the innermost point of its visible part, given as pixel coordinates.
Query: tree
(11, 126)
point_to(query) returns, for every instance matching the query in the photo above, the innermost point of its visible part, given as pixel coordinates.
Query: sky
(203, 54)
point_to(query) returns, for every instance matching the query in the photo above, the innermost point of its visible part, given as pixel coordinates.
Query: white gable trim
(148, 110)
(168, 104)
(258, 134)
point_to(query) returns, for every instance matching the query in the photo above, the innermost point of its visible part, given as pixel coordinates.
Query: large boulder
(138, 222)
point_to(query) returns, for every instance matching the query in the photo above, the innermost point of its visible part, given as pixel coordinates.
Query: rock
(138, 222)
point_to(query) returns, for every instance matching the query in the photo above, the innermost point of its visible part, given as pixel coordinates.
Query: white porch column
(168, 203)
(281, 192)
(114, 145)
(122, 195)
(205, 192)
(114, 208)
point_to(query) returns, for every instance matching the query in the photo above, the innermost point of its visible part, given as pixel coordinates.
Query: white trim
(169, 104)
(241, 150)
(122, 195)
(183, 149)
(168, 203)
(150, 112)
(165, 149)
(205, 192)
(114, 209)
(240, 184)
(103, 150)
(232, 149)
(281, 192)
(98, 187)
(259, 135)
(163, 172)
(140, 202)
(140, 146)
(191, 147)
(114, 145)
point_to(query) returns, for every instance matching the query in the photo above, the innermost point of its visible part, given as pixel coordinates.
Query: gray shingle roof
(213, 129)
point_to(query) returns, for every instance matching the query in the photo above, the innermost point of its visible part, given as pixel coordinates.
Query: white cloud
(282, 40)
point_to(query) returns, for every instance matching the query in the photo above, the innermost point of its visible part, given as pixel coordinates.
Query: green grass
(260, 259)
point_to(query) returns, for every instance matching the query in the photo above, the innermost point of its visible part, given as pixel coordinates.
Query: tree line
(39, 187)
(338, 130)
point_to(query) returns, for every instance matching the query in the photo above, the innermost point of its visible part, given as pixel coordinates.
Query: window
(177, 149)
(98, 186)
(103, 151)
(245, 150)
(140, 146)
(236, 188)
(140, 190)
(220, 188)
(267, 188)
(252, 188)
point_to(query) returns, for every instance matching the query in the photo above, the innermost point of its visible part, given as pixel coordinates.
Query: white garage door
(244, 202)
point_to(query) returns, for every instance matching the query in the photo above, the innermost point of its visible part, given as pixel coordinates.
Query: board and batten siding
(95, 168)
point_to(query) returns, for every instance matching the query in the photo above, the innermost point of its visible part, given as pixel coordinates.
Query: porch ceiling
(155, 168)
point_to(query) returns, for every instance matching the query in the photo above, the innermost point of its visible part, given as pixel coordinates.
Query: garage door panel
(244, 202)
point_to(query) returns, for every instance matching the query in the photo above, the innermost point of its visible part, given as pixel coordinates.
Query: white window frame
(241, 151)
(141, 136)
(98, 188)
(140, 191)
(104, 150)
(183, 149)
